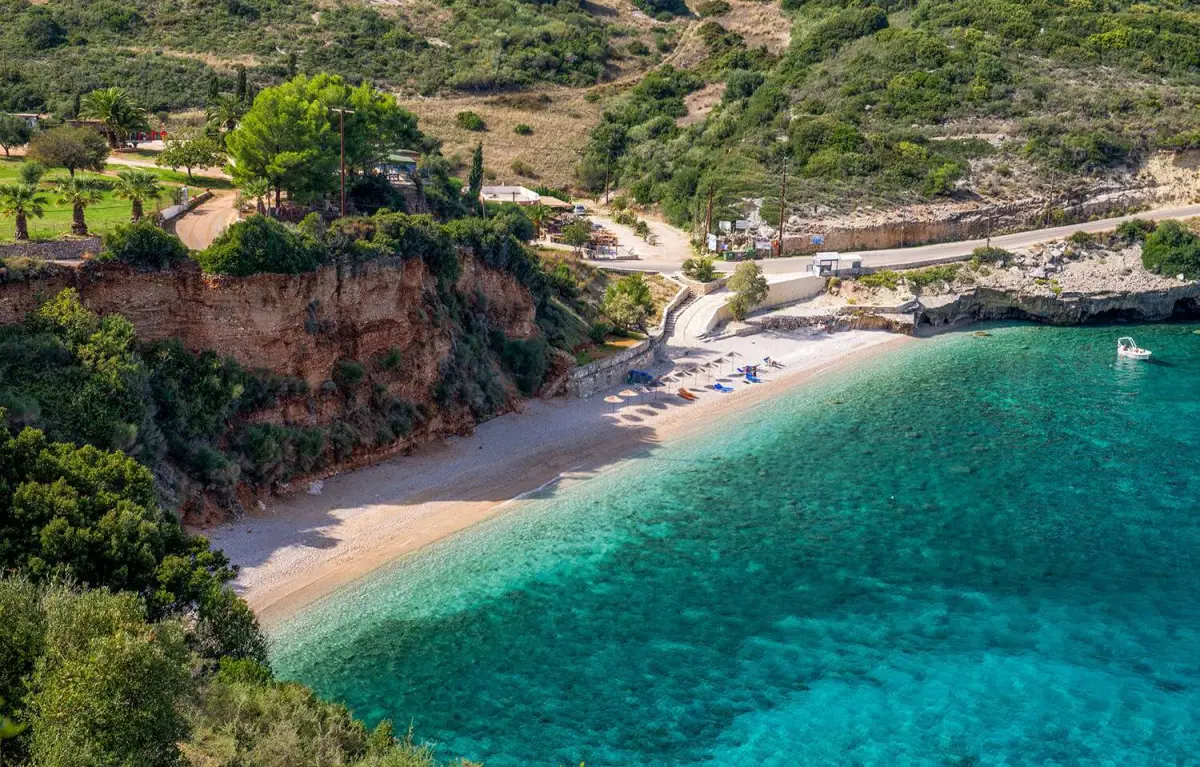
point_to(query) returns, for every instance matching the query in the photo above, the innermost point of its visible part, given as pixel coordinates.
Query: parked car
(580, 210)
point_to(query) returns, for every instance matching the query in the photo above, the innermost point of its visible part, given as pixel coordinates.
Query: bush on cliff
(1172, 249)
(526, 360)
(260, 244)
(143, 245)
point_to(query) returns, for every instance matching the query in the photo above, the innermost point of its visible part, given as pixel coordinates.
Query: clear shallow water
(974, 551)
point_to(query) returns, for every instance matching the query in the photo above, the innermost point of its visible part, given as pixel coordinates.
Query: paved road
(898, 257)
(201, 225)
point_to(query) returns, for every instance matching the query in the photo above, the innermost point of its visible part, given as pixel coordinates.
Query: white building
(518, 194)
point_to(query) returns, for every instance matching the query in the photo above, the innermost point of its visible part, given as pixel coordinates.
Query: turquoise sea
(972, 551)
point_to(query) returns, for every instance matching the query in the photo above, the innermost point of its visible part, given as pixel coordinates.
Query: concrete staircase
(673, 317)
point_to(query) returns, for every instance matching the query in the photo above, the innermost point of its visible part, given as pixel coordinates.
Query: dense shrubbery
(1172, 249)
(93, 677)
(144, 245)
(53, 52)
(1135, 230)
(627, 302)
(260, 244)
(886, 279)
(700, 269)
(859, 100)
(470, 121)
(91, 516)
(713, 8)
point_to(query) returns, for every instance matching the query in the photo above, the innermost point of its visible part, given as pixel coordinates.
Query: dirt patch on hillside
(552, 150)
(762, 24)
(700, 103)
(221, 63)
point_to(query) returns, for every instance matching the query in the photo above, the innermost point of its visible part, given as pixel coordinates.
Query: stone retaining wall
(893, 323)
(54, 250)
(596, 376)
(586, 380)
(699, 289)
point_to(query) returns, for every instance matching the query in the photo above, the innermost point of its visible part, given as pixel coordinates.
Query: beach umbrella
(614, 400)
(627, 393)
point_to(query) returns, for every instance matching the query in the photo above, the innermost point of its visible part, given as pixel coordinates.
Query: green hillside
(885, 103)
(166, 52)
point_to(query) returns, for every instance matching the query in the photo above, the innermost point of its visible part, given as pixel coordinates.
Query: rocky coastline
(1064, 283)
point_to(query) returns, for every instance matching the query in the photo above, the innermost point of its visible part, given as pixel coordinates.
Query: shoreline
(305, 547)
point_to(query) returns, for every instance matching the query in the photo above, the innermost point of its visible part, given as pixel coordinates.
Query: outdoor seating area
(690, 381)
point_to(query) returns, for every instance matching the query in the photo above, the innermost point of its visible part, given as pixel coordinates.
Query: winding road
(201, 225)
(662, 261)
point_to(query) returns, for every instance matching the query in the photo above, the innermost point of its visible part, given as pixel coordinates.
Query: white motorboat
(1128, 348)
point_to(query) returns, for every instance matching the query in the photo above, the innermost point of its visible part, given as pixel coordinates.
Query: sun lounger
(722, 388)
(687, 395)
(753, 379)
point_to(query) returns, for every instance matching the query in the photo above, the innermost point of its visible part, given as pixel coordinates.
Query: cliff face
(294, 325)
(387, 316)
(1066, 309)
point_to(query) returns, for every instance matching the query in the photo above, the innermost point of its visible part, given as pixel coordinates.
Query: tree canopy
(289, 136)
(70, 148)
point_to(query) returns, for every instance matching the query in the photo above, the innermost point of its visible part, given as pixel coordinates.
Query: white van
(580, 210)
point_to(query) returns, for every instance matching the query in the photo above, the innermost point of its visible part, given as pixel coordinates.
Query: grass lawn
(611, 346)
(178, 177)
(101, 217)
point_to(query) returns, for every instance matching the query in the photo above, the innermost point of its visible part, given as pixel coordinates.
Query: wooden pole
(342, 134)
(708, 214)
(342, 111)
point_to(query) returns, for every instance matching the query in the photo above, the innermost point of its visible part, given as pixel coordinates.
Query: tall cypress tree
(475, 180)
(243, 86)
(214, 87)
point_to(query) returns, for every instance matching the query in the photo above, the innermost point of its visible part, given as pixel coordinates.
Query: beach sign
(726, 226)
(817, 239)
(762, 244)
(711, 241)
(741, 224)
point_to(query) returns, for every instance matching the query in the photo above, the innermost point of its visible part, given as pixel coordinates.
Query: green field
(101, 217)
(177, 177)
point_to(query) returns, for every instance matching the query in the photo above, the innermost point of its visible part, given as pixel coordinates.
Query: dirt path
(200, 226)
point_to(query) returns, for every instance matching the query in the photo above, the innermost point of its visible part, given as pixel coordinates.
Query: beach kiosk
(830, 264)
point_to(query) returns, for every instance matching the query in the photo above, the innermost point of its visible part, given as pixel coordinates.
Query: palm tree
(78, 193)
(116, 112)
(137, 186)
(539, 214)
(256, 189)
(20, 201)
(225, 112)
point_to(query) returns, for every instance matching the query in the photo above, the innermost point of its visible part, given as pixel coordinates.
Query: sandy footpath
(304, 546)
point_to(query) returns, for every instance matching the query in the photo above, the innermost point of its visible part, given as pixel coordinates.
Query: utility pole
(342, 112)
(782, 204)
(607, 166)
(708, 213)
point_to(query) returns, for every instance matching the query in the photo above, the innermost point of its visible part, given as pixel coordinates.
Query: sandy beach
(304, 546)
